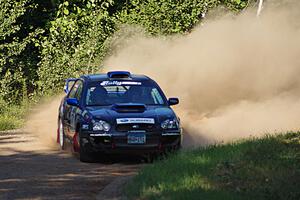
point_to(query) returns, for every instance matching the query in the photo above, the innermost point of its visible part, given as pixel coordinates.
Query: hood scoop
(129, 108)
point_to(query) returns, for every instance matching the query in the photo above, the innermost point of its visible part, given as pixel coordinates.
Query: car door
(69, 114)
(75, 111)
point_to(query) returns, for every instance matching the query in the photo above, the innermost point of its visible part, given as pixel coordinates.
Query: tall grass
(12, 116)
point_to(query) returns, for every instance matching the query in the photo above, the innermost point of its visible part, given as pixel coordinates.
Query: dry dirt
(31, 170)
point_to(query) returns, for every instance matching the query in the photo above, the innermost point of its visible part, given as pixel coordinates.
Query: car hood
(108, 113)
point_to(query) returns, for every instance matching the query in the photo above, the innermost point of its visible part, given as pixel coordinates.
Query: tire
(85, 156)
(62, 138)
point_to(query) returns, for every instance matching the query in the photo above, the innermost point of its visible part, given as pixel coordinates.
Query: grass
(12, 116)
(266, 168)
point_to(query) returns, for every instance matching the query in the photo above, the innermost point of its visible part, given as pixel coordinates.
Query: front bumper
(116, 143)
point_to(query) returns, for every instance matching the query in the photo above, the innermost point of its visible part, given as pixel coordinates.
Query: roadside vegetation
(12, 116)
(44, 42)
(266, 168)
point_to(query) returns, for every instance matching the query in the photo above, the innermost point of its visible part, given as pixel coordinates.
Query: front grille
(135, 127)
(100, 140)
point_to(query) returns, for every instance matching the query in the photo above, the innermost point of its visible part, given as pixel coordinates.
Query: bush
(11, 116)
(76, 42)
(44, 42)
(78, 36)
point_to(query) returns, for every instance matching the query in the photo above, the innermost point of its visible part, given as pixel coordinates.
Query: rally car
(117, 113)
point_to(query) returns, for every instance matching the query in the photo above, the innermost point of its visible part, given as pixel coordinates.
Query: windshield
(112, 92)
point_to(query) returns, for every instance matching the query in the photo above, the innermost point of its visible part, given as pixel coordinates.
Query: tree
(20, 25)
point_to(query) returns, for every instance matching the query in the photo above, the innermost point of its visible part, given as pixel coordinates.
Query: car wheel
(62, 140)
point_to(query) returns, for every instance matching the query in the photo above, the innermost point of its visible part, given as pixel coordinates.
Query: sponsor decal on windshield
(107, 83)
(100, 134)
(135, 120)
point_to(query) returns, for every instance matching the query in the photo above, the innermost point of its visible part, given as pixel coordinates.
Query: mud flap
(76, 145)
(57, 137)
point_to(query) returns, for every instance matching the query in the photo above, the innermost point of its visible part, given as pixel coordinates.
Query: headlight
(169, 124)
(101, 126)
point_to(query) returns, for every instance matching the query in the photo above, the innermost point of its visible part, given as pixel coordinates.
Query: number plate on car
(136, 138)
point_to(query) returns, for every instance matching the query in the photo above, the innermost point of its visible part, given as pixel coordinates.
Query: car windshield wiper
(90, 105)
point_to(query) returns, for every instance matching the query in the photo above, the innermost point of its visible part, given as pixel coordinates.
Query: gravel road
(31, 170)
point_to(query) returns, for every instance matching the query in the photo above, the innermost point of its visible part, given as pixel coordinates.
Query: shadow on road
(53, 174)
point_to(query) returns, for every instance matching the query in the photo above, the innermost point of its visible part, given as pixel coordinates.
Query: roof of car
(102, 77)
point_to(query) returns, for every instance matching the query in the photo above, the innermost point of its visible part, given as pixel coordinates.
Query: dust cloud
(236, 77)
(42, 121)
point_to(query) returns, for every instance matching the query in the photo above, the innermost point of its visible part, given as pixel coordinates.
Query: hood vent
(129, 108)
(119, 74)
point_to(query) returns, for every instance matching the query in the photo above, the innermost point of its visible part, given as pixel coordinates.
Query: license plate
(137, 138)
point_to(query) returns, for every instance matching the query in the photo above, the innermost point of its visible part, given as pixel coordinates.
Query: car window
(78, 93)
(157, 98)
(126, 92)
(73, 90)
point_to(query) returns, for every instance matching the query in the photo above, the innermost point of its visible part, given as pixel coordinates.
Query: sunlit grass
(266, 168)
(12, 117)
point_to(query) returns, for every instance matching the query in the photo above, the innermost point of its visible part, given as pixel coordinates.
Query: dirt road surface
(31, 170)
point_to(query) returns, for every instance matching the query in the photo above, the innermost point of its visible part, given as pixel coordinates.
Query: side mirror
(173, 101)
(72, 102)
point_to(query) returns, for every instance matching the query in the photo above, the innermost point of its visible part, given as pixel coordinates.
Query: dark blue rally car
(117, 113)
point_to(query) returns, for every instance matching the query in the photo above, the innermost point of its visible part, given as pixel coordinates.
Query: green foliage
(266, 168)
(44, 42)
(166, 17)
(236, 5)
(78, 37)
(9, 13)
(11, 46)
(11, 116)
(17, 62)
(76, 42)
